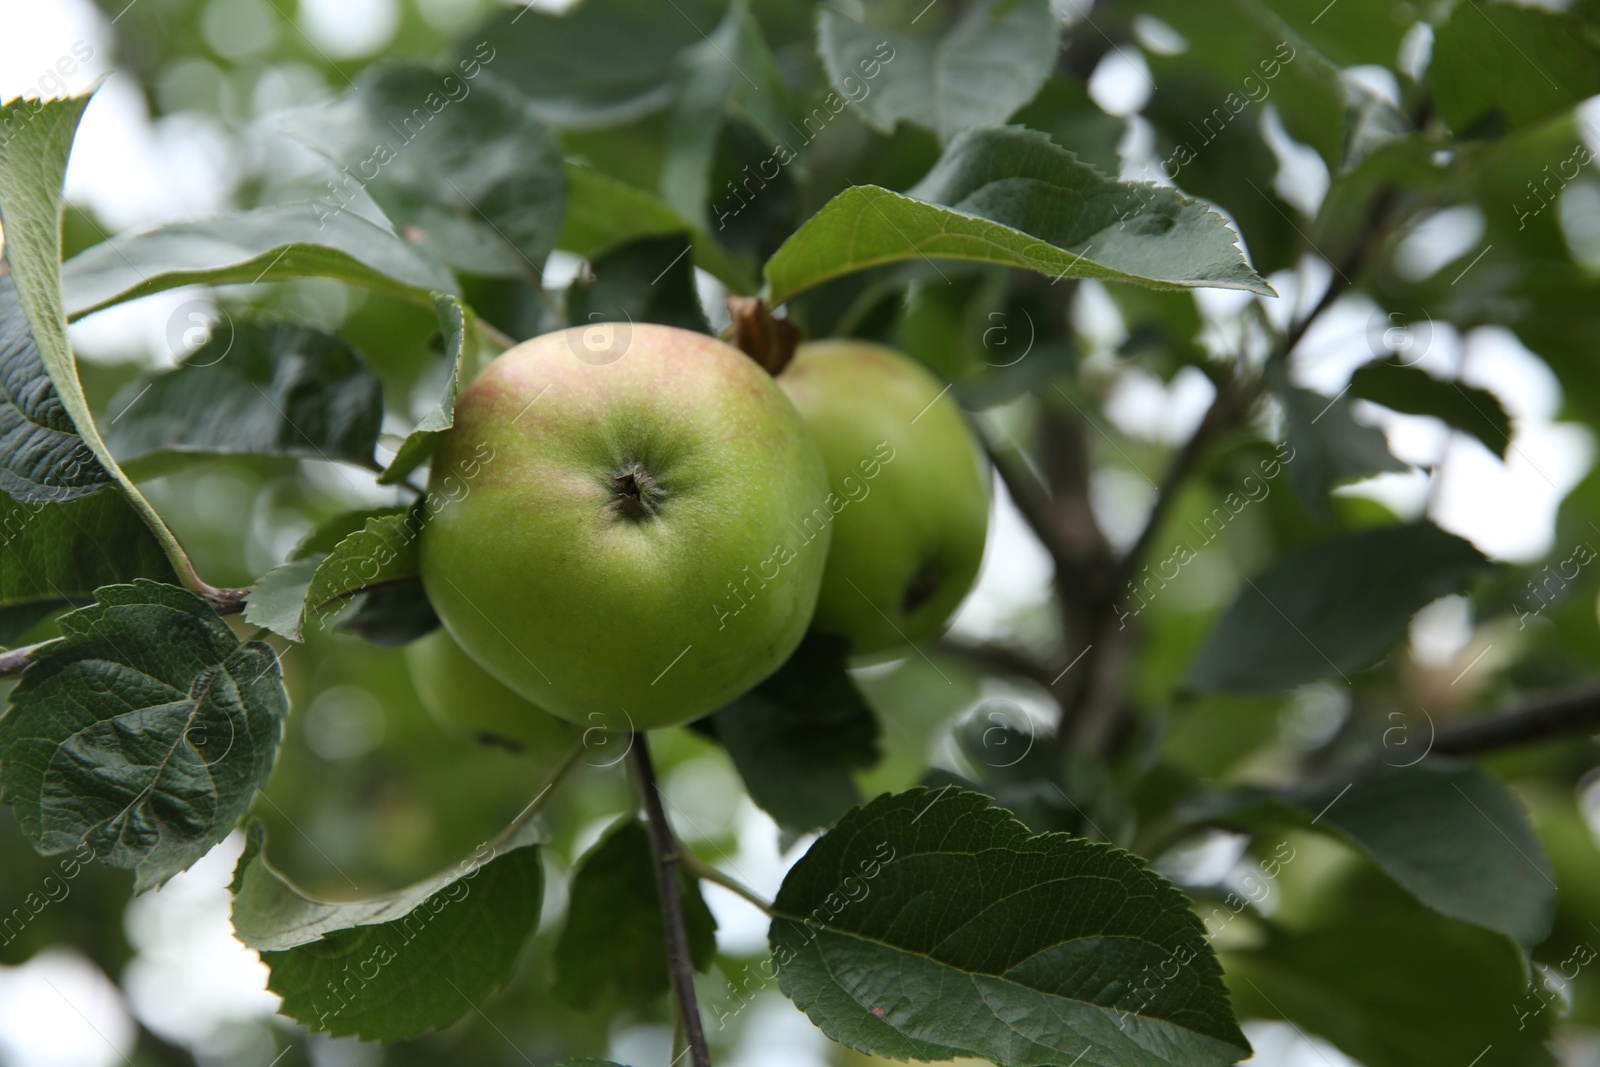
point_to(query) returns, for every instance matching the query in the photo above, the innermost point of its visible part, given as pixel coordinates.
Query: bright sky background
(193, 982)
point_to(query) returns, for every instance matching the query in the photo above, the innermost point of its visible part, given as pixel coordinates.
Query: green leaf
(264, 245)
(1351, 32)
(1241, 56)
(145, 732)
(1327, 446)
(1064, 110)
(1396, 985)
(368, 574)
(391, 615)
(458, 326)
(731, 68)
(391, 967)
(1498, 65)
(257, 388)
(578, 70)
(58, 553)
(1331, 607)
(649, 280)
(461, 164)
(797, 737)
(358, 571)
(278, 599)
(42, 458)
(1416, 392)
(1010, 197)
(929, 925)
(1451, 835)
(604, 213)
(1455, 838)
(612, 946)
(33, 162)
(947, 75)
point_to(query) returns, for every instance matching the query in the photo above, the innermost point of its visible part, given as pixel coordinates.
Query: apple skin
(910, 484)
(625, 541)
(466, 700)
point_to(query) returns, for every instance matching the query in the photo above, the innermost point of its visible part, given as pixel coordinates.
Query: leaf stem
(706, 872)
(668, 854)
(496, 336)
(14, 661)
(542, 797)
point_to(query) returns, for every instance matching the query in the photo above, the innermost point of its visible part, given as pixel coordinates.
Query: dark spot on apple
(922, 586)
(486, 737)
(635, 493)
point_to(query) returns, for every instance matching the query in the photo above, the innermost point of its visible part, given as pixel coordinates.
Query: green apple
(618, 526)
(910, 491)
(466, 700)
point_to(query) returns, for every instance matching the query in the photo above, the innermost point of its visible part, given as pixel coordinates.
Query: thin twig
(1543, 718)
(706, 872)
(664, 847)
(1089, 717)
(496, 336)
(1000, 658)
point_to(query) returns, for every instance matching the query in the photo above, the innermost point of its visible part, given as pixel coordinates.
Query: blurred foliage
(369, 795)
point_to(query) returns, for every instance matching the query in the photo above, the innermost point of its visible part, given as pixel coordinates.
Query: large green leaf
(797, 738)
(612, 946)
(602, 62)
(1241, 55)
(458, 328)
(929, 925)
(1012, 198)
(33, 163)
(1416, 392)
(1451, 835)
(1331, 607)
(255, 388)
(42, 458)
(59, 553)
(144, 733)
(461, 164)
(391, 967)
(604, 213)
(731, 69)
(1351, 32)
(1396, 985)
(947, 74)
(373, 558)
(1500, 65)
(1327, 446)
(264, 245)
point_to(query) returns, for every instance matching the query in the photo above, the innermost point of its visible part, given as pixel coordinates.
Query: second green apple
(909, 492)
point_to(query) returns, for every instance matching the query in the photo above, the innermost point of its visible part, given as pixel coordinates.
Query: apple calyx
(922, 586)
(635, 493)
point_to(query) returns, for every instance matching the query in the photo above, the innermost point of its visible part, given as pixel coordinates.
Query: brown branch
(1543, 718)
(664, 848)
(999, 658)
(1034, 506)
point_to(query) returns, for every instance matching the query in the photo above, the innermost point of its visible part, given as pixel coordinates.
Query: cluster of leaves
(912, 174)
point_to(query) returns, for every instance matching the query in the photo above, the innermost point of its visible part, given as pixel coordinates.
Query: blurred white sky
(192, 982)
